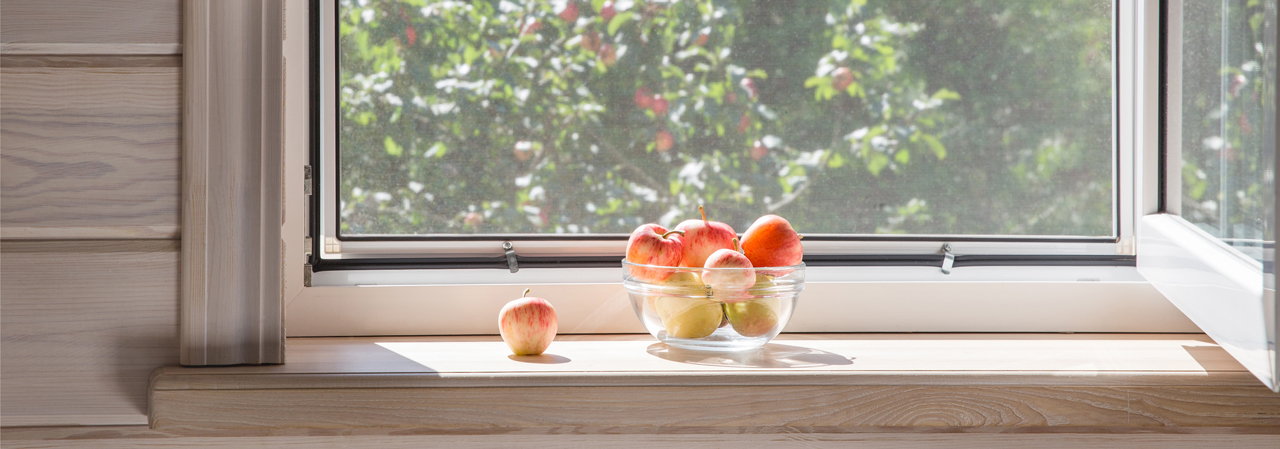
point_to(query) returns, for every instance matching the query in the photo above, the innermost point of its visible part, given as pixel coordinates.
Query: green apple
(688, 317)
(753, 318)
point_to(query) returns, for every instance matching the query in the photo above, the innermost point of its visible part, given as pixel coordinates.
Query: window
(470, 148)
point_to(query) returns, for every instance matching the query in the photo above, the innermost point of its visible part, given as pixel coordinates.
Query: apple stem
(664, 236)
(737, 246)
(703, 212)
(799, 236)
(526, 292)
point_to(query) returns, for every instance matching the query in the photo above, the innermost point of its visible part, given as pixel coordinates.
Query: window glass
(1227, 99)
(845, 116)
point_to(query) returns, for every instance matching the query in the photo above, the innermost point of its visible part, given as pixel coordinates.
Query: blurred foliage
(1226, 97)
(844, 116)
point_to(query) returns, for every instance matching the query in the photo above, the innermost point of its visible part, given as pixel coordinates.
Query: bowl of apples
(697, 286)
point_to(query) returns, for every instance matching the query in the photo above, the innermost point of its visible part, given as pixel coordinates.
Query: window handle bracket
(948, 259)
(511, 257)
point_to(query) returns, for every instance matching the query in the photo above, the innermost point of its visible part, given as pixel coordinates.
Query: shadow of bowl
(772, 355)
(546, 359)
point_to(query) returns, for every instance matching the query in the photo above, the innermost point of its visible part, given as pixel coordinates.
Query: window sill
(801, 381)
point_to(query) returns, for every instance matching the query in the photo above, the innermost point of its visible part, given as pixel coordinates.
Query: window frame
(363, 286)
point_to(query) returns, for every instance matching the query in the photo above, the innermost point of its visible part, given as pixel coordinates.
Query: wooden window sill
(827, 383)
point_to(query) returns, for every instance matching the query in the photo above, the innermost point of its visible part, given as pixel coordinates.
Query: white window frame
(837, 299)
(1229, 295)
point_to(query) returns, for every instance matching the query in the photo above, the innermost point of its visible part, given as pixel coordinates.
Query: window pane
(1227, 91)
(844, 116)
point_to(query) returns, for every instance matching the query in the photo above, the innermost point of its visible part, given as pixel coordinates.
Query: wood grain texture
(232, 300)
(737, 438)
(90, 152)
(91, 22)
(83, 325)
(703, 406)
(80, 61)
(90, 49)
(834, 381)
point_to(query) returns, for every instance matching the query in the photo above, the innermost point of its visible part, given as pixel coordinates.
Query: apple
(771, 242)
(652, 244)
(688, 317)
(663, 141)
(643, 99)
(759, 151)
(728, 271)
(841, 78)
(591, 41)
(608, 54)
(701, 39)
(702, 238)
(744, 123)
(607, 12)
(750, 86)
(473, 219)
(531, 28)
(753, 318)
(528, 324)
(523, 150)
(569, 13)
(410, 34)
(659, 105)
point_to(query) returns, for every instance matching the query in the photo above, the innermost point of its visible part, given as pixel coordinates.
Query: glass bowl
(678, 308)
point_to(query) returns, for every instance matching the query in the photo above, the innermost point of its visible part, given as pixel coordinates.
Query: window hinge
(1126, 247)
(306, 179)
(948, 259)
(306, 275)
(511, 257)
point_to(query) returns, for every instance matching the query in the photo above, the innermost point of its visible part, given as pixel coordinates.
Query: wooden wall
(90, 143)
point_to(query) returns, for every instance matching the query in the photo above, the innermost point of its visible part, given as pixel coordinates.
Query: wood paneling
(103, 23)
(776, 437)
(83, 325)
(90, 152)
(810, 381)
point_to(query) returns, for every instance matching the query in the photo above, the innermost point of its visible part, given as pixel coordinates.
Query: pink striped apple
(702, 237)
(652, 244)
(528, 324)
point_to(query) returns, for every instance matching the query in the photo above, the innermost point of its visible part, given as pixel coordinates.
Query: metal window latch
(306, 179)
(948, 259)
(511, 257)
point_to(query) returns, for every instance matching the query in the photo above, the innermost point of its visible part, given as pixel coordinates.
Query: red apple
(608, 54)
(744, 123)
(591, 41)
(473, 219)
(643, 99)
(651, 244)
(701, 39)
(702, 238)
(663, 141)
(528, 324)
(759, 151)
(569, 13)
(410, 34)
(728, 272)
(660, 105)
(771, 242)
(841, 78)
(750, 86)
(531, 28)
(523, 150)
(607, 12)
